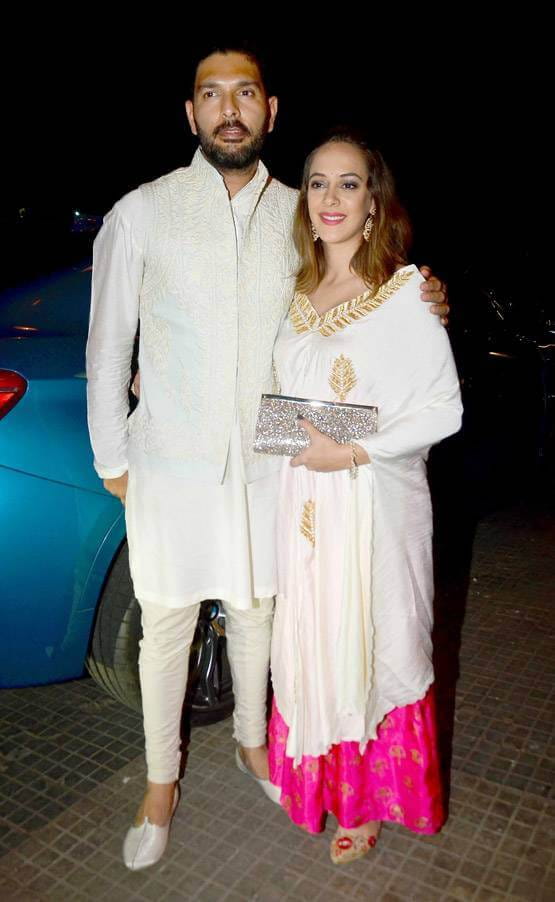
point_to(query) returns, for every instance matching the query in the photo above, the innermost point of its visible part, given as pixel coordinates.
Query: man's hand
(117, 487)
(324, 454)
(433, 291)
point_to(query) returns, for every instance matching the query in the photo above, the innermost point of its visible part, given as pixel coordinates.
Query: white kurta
(190, 540)
(352, 631)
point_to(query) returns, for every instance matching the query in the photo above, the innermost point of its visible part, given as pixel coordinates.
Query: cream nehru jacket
(167, 256)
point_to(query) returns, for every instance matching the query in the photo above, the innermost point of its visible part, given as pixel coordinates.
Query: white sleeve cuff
(110, 472)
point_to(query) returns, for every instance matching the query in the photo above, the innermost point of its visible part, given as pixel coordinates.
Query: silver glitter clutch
(277, 430)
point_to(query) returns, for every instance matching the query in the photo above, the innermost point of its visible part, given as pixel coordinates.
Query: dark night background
(454, 104)
(457, 104)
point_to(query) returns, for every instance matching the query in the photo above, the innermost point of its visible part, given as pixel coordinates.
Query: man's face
(230, 111)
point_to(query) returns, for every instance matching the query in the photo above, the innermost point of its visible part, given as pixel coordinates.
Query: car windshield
(37, 242)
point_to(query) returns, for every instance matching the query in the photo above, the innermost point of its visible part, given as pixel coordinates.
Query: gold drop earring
(368, 226)
(315, 234)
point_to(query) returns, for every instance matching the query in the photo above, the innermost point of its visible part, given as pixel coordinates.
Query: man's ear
(191, 116)
(273, 105)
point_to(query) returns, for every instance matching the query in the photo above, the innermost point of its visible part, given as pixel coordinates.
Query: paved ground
(71, 769)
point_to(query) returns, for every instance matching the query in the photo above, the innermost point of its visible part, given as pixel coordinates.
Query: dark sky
(457, 111)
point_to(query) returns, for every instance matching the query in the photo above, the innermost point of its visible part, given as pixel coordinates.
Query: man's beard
(236, 157)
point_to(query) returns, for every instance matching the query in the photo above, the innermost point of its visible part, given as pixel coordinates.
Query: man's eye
(209, 94)
(247, 92)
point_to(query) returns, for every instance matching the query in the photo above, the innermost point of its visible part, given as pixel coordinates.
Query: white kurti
(189, 539)
(352, 631)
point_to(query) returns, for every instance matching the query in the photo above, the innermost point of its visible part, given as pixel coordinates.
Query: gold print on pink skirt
(312, 768)
(387, 723)
(417, 757)
(346, 790)
(286, 803)
(397, 811)
(397, 752)
(384, 792)
(379, 766)
(355, 761)
(422, 822)
(409, 782)
(298, 800)
(330, 784)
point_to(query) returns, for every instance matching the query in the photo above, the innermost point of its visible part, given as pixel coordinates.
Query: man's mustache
(238, 125)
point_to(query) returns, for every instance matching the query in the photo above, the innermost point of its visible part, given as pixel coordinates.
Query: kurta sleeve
(116, 284)
(425, 406)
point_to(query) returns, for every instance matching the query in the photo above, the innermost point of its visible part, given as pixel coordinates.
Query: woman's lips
(332, 218)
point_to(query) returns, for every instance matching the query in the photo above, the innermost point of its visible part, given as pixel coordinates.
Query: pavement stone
(72, 771)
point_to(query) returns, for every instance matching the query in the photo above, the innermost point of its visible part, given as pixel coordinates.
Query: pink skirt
(396, 779)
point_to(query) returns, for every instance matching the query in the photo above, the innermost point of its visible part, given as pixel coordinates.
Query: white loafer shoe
(143, 846)
(273, 792)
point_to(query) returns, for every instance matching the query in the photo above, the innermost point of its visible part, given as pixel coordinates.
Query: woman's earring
(368, 227)
(315, 234)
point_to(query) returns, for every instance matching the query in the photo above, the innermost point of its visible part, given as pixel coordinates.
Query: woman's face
(338, 197)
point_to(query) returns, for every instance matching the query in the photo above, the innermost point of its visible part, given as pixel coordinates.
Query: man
(204, 256)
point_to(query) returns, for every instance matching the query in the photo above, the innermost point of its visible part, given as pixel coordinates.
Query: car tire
(112, 660)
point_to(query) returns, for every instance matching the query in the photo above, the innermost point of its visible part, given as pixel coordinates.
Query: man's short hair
(251, 49)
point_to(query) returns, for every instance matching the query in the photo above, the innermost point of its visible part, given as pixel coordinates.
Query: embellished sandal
(345, 848)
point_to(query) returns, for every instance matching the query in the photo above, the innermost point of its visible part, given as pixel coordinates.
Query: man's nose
(230, 107)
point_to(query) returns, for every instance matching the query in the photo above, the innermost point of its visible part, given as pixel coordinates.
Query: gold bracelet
(353, 472)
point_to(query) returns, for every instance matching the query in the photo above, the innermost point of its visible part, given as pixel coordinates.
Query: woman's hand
(324, 454)
(136, 385)
(433, 291)
(117, 487)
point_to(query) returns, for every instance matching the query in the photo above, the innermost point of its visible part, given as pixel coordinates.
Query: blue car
(66, 599)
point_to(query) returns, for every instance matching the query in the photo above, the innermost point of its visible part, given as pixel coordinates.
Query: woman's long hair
(376, 260)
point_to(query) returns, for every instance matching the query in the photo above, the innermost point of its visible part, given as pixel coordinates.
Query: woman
(352, 729)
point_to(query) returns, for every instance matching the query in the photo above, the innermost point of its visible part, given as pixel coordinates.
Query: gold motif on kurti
(307, 522)
(304, 317)
(342, 377)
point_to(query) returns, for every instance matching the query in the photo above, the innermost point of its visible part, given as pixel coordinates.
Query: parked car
(503, 334)
(66, 599)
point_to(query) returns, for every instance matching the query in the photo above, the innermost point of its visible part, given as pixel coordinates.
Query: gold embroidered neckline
(305, 318)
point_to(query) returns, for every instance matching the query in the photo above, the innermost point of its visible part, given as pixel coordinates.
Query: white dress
(190, 540)
(351, 637)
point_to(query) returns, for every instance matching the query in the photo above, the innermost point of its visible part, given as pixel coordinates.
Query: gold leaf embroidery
(304, 317)
(342, 377)
(307, 522)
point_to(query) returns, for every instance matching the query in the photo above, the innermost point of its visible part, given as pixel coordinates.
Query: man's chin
(232, 155)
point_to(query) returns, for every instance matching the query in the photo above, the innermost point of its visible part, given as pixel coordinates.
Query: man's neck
(236, 179)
